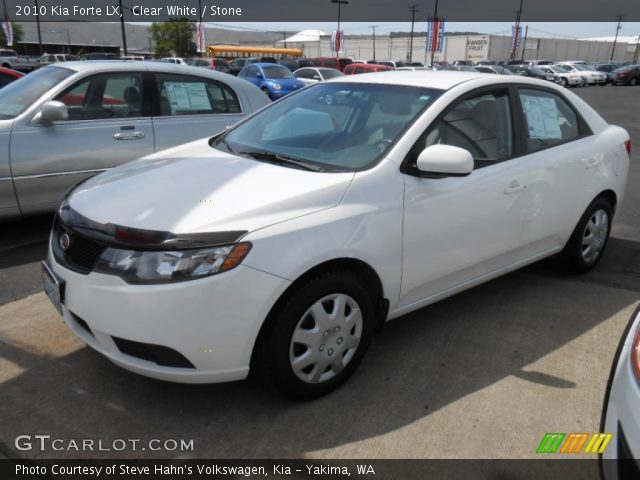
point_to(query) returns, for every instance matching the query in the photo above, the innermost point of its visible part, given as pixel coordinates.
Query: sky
(541, 29)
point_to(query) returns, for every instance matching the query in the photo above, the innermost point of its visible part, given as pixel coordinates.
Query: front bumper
(212, 322)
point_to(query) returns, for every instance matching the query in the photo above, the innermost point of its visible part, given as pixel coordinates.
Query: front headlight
(148, 267)
(276, 86)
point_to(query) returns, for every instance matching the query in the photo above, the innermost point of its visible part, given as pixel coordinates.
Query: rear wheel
(589, 239)
(319, 336)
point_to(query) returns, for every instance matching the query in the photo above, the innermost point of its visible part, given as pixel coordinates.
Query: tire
(588, 241)
(266, 92)
(564, 82)
(633, 82)
(332, 317)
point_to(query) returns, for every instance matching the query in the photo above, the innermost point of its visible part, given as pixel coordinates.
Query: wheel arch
(611, 197)
(361, 268)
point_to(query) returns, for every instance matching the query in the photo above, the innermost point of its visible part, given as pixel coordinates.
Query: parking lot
(483, 374)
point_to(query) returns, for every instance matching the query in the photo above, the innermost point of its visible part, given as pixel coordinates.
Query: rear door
(108, 124)
(189, 107)
(562, 157)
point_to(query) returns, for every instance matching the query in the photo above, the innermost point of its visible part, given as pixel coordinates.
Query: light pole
(338, 35)
(38, 27)
(413, 9)
(613, 49)
(517, 31)
(373, 27)
(635, 54)
(124, 34)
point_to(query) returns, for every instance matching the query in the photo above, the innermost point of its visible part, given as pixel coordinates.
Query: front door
(457, 230)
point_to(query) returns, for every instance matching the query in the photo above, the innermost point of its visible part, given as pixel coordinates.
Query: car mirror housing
(259, 75)
(445, 161)
(52, 111)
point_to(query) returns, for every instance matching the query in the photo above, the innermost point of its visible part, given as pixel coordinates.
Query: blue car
(274, 80)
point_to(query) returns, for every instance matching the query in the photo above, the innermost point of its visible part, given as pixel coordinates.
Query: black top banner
(317, 10)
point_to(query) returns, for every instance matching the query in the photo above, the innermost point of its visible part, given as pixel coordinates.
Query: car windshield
(16, 97)
(330, 126)
(277, 72)
(330, 73)
(557, 69)
(536, 71)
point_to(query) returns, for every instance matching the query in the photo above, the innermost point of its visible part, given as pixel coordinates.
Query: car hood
(195, 188)
(287, 83)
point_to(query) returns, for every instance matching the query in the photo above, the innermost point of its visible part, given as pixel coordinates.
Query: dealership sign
(477, 48)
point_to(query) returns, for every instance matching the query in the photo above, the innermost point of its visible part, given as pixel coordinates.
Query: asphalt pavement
(484, 374)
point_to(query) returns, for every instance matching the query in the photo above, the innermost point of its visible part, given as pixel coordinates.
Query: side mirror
(259, 75)
(446, 161)
(50, 112)
(317, 77)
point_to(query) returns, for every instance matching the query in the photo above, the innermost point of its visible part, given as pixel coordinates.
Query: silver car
(64, 123)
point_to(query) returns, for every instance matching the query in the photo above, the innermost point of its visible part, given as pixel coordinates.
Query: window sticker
(542, 117)
(187, 96)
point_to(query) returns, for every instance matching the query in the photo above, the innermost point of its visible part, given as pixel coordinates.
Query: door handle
(128, 136)
(515, 188)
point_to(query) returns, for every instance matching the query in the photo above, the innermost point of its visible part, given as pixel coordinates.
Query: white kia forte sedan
(280, 245)
(621, 417)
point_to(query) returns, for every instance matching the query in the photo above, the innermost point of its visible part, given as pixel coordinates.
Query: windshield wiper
(282, 160)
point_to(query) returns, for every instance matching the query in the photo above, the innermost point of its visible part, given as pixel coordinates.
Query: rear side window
(549, 120)
(190, 95)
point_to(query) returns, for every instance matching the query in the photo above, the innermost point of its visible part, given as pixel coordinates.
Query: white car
(176, 60)
(567, 78)
(311, 75)
(593, 76)
(282, 244)
(622, 408)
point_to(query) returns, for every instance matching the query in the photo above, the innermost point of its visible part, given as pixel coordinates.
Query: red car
(219, 64)
(356, 68)
(7, 76)
(331, 62)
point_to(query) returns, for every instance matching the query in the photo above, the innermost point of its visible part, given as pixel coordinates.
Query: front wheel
(589, 239)
(564, 82)
(633, 82)
(266, 92)
(318, 337)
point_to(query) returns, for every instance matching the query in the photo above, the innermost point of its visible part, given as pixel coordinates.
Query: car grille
(82, 253)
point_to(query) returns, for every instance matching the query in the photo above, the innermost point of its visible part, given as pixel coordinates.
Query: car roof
(440, 80)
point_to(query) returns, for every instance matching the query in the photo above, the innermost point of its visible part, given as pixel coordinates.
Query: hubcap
(326, 338)
(595, 236)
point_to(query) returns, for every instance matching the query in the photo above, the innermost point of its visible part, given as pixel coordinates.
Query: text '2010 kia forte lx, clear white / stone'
(281, 244)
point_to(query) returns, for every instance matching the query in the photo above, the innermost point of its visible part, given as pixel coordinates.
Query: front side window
(16, 97)
(330, 126)
(480, 124)
(549, 119)
(104, 96)
(190, 95)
